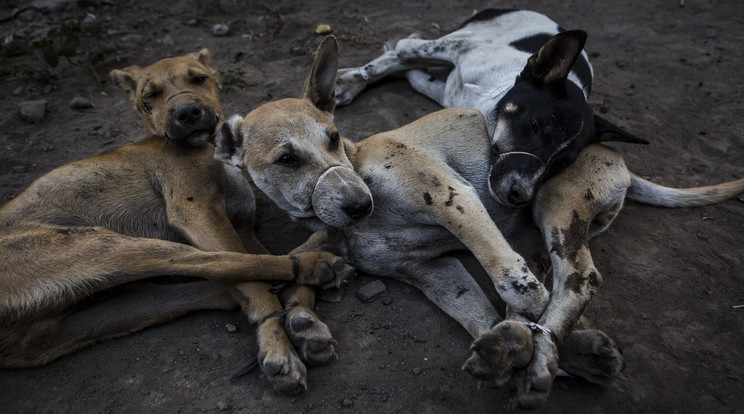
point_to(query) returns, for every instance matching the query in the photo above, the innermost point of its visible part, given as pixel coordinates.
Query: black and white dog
(535, 106)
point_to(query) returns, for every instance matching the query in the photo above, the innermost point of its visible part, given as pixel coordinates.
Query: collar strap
(545, 331)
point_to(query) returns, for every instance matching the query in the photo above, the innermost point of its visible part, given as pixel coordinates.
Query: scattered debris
(231, 328)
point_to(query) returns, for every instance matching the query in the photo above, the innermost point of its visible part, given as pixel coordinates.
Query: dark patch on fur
(436, 182)
(461, 292)
(488, 14)
(451, 198)
(147, 108)
(460, 209)
(401, 146)
(589, 196)
(531, 44)
(575, 282)
(594, 280)
(427, 199)
(388, 166)
(190, 198)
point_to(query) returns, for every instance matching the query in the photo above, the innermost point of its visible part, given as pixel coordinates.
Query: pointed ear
(320, 86)
(126, 80)
(228, 143)
(205, 58)
(605, 130)
(555, 58)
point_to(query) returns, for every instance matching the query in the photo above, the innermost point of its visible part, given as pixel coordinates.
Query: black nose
(357, 211)
(518, 196)
(189, 114)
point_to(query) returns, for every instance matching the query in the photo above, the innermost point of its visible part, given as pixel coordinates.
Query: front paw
(592, 355)
(284, 370)
(321, 269)
(310, 336)
(531, 385)
(497, 353)
(349, 83)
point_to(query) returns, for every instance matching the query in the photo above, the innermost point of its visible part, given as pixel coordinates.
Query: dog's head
(543, 122)
(294, 153)
(177, 96)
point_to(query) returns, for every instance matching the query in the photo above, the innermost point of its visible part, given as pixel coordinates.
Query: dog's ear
(605, 130)
(126, 80)
(228, 143)
(555, 58)
(320, 86)
(205, 58)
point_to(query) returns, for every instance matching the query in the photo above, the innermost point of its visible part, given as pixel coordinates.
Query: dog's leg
(566, 209)
(437, 52)
(135, 308)
(427, 85)
(352, 81)
(310, 336)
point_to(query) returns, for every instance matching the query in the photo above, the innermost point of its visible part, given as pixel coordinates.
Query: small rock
(48, 6)
(33, 111)
(80, 102)
(416, 371)
(220, 29)
(387, 300)
(192, 22)
(167, 40)
(20, 169)
(371, 291)
(347, 402)
(133, 38)
(231, 328)
(223, 406)
(323, 29)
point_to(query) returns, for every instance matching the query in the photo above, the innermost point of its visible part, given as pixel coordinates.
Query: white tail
(645, 191)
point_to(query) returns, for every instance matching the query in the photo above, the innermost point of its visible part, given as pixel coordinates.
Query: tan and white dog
(73, 243)
(407, 199)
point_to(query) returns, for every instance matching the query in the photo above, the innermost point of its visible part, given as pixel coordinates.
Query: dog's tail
(645, 191)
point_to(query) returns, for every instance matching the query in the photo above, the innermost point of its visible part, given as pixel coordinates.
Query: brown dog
(154, 208)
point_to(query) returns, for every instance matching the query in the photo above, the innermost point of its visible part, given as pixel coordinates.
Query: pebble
(33, 111)
(323, 29)
(371, 291)
(220, 29)
(347, 402)
(416, 371)
(223, 406)
(20, 169)
(80, 102)
(387, 300)
(167, 40)
(192, 22)
(231, 328)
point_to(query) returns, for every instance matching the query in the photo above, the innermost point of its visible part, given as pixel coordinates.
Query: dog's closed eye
(334, 137)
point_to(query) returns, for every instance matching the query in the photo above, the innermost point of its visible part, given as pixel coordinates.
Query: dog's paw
(499, 352)
(284, 370)
(349, 83)
(531, 385)
(322, 269)
(592, 355)
(310, 336)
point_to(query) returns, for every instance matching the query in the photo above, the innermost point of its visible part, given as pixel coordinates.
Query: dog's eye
(198, 80)
(287, 160)
(152, 93)
(334, 140)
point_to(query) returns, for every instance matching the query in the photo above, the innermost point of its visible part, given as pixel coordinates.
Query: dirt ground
(668, 71)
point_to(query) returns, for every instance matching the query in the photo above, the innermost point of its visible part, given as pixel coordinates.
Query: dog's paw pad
(310, 336)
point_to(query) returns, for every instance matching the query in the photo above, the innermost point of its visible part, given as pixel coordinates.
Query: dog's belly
(381, 249)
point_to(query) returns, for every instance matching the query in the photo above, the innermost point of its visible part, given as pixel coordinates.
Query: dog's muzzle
(192, 123)
(515, 176)
(341, 198)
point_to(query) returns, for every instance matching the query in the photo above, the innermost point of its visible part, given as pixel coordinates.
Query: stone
(33, 111)
(371, 291)
(80, 102)
(220, 29)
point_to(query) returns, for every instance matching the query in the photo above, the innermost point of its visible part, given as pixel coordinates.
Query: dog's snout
(518, 196)
(189, 114)
(357, 210)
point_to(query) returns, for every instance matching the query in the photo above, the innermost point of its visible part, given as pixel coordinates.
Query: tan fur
(154, 208)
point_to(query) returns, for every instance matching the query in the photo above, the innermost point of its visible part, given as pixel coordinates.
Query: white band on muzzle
(521, 153)
(323, 176)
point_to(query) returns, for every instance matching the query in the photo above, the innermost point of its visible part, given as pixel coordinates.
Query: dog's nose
(518, 196)
(189, 114)
(357, 211)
